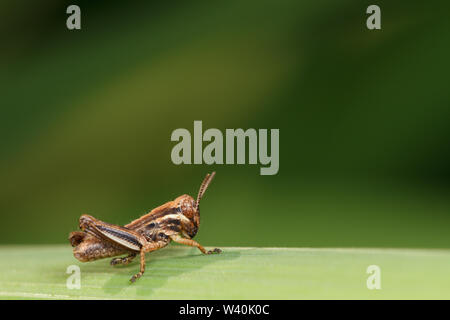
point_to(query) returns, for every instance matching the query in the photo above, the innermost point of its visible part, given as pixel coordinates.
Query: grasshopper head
(190, 208)
(186, 206)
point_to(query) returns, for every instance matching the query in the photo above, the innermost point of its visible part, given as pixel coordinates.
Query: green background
(86, 118)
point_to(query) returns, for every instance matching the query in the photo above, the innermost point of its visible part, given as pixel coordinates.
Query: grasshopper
(176, 220)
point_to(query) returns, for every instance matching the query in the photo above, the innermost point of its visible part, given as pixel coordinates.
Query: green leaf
(178, 272)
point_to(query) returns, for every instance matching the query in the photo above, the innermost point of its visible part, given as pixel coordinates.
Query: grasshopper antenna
(203, 188)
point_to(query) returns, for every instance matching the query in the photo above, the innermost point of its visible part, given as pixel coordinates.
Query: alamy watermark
(73, 22)
(374, 280)
(235, 139)
(74, 280)
(373, 22)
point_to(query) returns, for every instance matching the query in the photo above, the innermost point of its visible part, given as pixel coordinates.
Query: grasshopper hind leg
(123, 261)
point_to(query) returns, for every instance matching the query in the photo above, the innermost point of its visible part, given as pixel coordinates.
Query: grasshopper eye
(186, 206)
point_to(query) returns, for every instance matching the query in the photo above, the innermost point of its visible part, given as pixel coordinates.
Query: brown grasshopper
(177, 220)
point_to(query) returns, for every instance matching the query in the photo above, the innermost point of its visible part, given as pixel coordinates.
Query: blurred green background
(364, 118)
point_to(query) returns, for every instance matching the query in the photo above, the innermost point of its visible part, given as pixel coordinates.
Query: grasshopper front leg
(192, 243)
